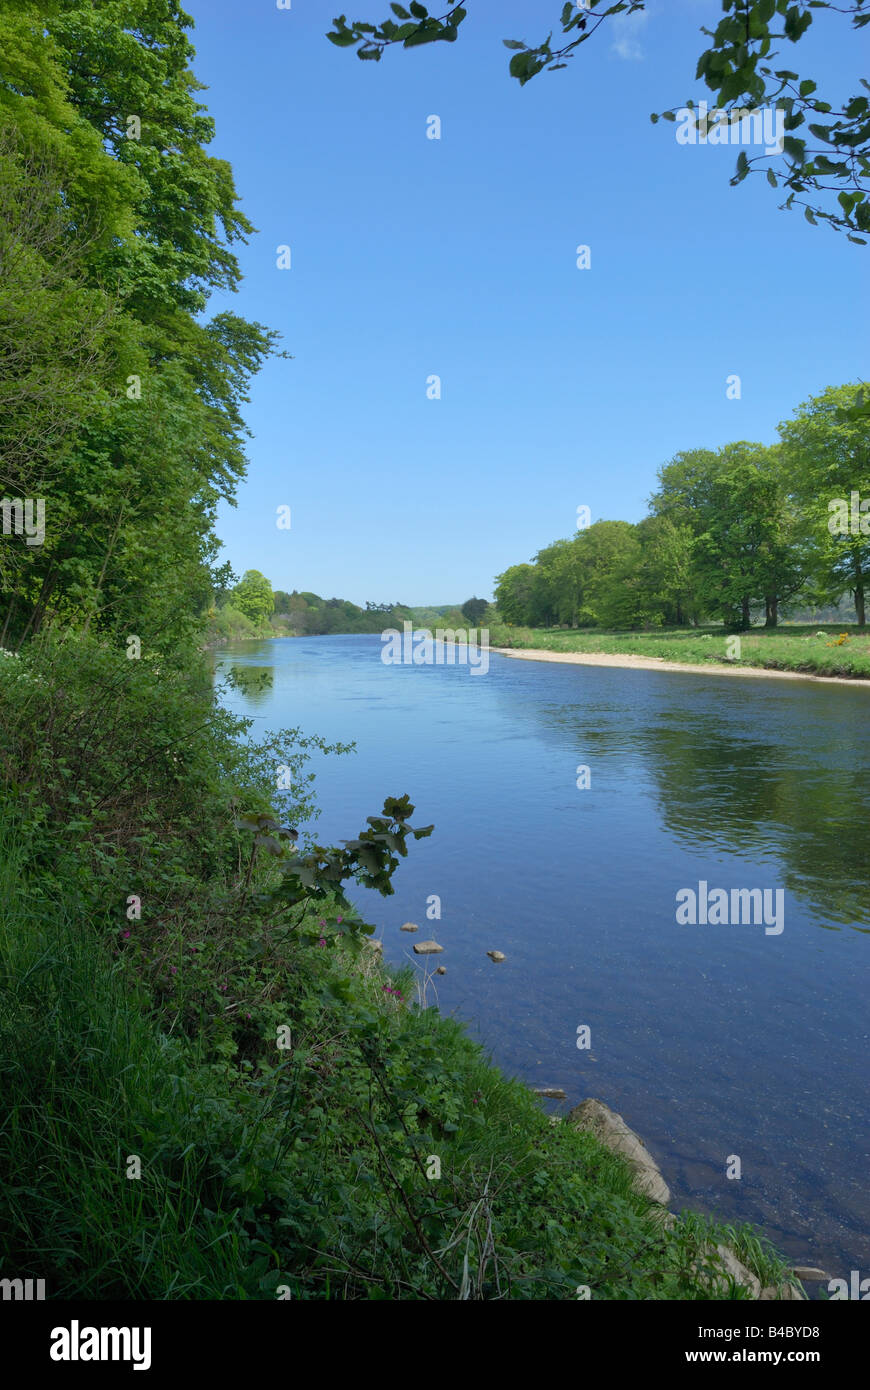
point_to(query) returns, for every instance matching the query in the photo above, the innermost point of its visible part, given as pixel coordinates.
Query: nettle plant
(318, 874)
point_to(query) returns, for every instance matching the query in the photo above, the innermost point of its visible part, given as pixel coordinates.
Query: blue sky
(413, 257)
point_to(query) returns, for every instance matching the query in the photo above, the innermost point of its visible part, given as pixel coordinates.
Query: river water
(716, 1041)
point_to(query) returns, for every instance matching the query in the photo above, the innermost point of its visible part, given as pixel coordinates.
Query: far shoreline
(631, 661)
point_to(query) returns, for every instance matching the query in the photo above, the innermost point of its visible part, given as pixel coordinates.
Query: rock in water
(496, 956)
(551, 1092)
(409, 926)
(612, 1130)
(427, 948)
(441, 970)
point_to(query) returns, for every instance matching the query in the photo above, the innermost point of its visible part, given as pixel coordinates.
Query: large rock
(427, 948)
(718, 1282)
(785, 1292)
(612, 1130)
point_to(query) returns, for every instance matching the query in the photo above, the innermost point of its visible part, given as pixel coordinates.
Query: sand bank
(657, 663)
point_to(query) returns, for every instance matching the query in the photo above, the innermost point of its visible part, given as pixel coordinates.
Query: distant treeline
(253, 609)
(732, 534)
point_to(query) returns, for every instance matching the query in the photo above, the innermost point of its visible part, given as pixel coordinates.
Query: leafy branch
(370, 860)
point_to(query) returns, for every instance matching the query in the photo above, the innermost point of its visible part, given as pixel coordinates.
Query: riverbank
(233, 1079)
(829, 651)
(655, 663)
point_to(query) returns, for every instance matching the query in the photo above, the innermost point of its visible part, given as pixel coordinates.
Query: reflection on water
(710, 1040)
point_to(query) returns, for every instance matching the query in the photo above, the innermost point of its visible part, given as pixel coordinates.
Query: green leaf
(419, 11)
(400, 12)
(514, 43)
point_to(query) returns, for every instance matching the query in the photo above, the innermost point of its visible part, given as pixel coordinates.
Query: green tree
(132, 405)
(826, 448)
(253, 596)
(514, 594)
(473, 610)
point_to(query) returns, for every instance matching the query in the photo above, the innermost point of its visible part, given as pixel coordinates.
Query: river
(716, 1041)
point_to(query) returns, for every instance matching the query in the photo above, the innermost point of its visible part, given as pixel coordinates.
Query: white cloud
(627, 30)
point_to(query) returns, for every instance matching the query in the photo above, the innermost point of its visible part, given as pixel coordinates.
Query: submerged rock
(612, 1130)
(811, 1273)
(551, 1092)
(496, 956)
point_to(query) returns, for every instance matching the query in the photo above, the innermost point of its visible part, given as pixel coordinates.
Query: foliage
(253, 596)
(729, 530)
(737, 68)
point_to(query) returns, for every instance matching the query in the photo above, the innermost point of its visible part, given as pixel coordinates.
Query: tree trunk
(771, 614)
(744, 616)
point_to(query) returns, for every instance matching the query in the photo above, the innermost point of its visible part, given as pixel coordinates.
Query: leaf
(514, 43)
(342, 40)
(419, 11)
(400, 12)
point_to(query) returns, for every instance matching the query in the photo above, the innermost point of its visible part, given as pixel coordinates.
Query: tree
(737, 68)
(826, 448)
(514, 594)
(473, 610)
(253, 596)
(123, 407)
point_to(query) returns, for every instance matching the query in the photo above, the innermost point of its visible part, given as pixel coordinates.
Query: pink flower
(126, 934)
(322, 941)
(338, 919)
(174, 969)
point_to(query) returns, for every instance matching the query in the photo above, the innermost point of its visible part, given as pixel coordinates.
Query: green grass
(812, 649)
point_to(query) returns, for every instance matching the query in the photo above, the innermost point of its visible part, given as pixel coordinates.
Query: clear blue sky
(456, 257)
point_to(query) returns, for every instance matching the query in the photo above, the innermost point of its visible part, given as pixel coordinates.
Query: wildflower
(338, 919)
(125, 935)
(174, 969)
(322, 941)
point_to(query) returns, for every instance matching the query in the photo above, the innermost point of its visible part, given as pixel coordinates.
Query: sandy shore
(657, 663)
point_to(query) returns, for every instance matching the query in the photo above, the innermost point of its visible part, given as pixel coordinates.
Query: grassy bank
(209, 1093)
(832, 650)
